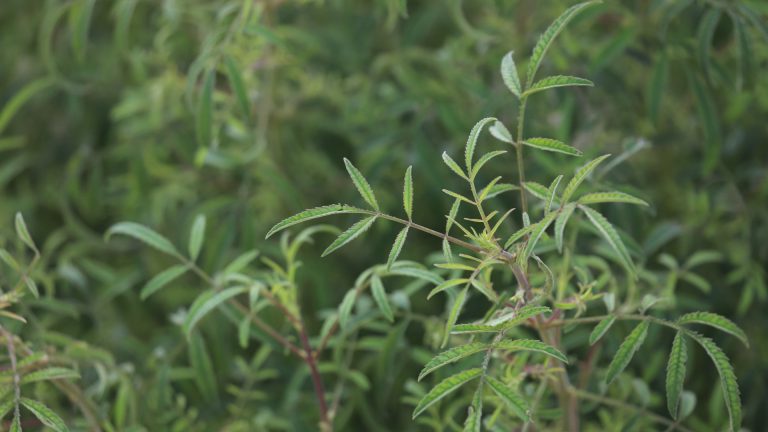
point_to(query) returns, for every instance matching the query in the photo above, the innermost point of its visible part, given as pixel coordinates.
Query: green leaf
(500, 132)
(560, 222)
(727, 379)
(44, 414)
(408, 193)
(611, 236)
(452, 355)
(552, 193)
(350, 234)
(626, 351)
(196, 237)
(162, 279)
(557, 81)
(454, 166)
(705, 32)
(16, 424)
(532, 345)
(746, 54)
(474, 328)
(146, 235)
(537, 189)
(458, 196)
(9, 259)
(676, 366)
(32, 286)
(50, 373)
(362, 185)
(80, 21)
(509, 74)
(418, 273)
(517, 235)
(444, 388)
(310, 214)
(657, 86)
(244, 332)
(453, 316)
(20, 98)
(345, 308)
(23, 232)
(202, 367)
(717, 321)
(204, 118)
(546, 39)
(539, 228)
(397, 246)
(483, 160)
(553, 145)
(493, 190)
(205, 303)
(603, 197)
(515, 403)
(235, 79)
(474, 421)
(579, 177)
(708, 119)
(6, 406)
(445, 285)
(600, 329)
(241, 262)
(521, 315)
(380, 296)
(469, 150)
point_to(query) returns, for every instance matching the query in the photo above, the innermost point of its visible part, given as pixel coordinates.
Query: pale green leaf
(537, 189)
(23, 232)
(350, 234)
(626, 351)
(454, 166)
(517, 235)
(496, 189)
(310, 214)
(32, 286)
(444, 388)
(146, 235)
(16, 424)
(469, 150)
(500, 132)
(241, 262)
(600, 329)
(483, 160)
(610, 235)
(162, 279)
(458, 196)
(717, 321)
(196, 237)
(453, 316)
(676, 366)
(202, 367)
(408, 193)
(361, 184)
(345, 308)
(509, 74)
(474, 421)
(557, 81)
(50, 373)
(380, 296)
(513, 400)
(552, 193)
(553, 145)
(560, 222)
(579, 177)
(617, 197)
(205, 303)
(536, 233)
(204, 118)
(445, 285)
(397, 246)
(521, 315)
(44, 414)
(452, 355)
(532, 345)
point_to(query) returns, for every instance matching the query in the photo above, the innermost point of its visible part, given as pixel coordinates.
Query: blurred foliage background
(157, 111)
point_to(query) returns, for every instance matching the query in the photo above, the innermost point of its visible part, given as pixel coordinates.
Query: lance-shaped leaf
(705, 33)
(361, 184)
(553, 145)
(454, 166)
(469, 150)
(716, 321)
(196, 237)
(532, 345)
(484, 160)
(380, 296)
(44, 414)
(727, 379)
(417, 273)
(474, 421)
(537, 189)
(202, 367)
(601, 328)
(676, 366)
(397, 246)
(408, 193)
(552, 192)
(514, 318)
(350, 234)
(509, 74)
(204, 118)
(205, 303)
(546, 39)
(536, 233)
(23, 232)
(345, 308)
(558, 81)
(560, 222)
(445, 285)
(517, 235)
(454, 314)
(50, 373)
(458, 196)
(20, 98)
(146, 235)
(617, 197)
(515, 403)
(235, 79)
(445, 387)
(162, 279)
(500, 132)
(579, 177)
(310, 214)
(626, 351)
(452, 355)
(610, 235)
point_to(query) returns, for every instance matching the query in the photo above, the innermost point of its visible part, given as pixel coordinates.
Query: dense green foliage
(151, 146)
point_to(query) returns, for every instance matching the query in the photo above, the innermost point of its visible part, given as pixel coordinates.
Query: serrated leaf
(676, 366)
(552, 193)
(444, 388)
(484, 160)
(546, 39)
(517, 235)
(454, 166)
(458, 196)
(16, 424)
(350, 234)
(445, 285)
(162, 279)
(500, 132)
(204, 118)
(532, 345)
(452, 355)
(361, 184)
(380, 296)
(560, 222)
(418, 273)
(474, 421)
(610, 235)
(603, 197)
(533, 238)
(717, 321)
(144, 234)
(23, 232)
(397, 246)
(579, 177)
(515, 403)
(474, 328)
(537, 189)
(453, 316)
(205, 303)
(509, 74)
(196, 236)
(626, 351)
(521, 315)
(553, 145)
(600, 329)
(469, 150)
(705, 33)
(727, 379)
(44, 414)
(235, 79)
(557, 81)
(345, 308)
(408, 193)
(313, 213)
(50, 373)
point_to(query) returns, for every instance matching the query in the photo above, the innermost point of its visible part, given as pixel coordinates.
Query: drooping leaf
(511, 399)
(557, 81)
(146, 235)
(553, 145)
(579, 177)
(453, 316)
(626, 351)
(452, 355)
(162, 279)
(362, 185)
(469, 150)
(617, 197)
(601, 328)
(676, 366)
(717, 321)
(532, 345)
(44, 414)
(310, 214)
(205, 303)
(345, 308)
(444, 388)
(350, 234)
(509, 74)
(196, 237)
(397, 246)
(611, 236)
(408, 193)
(560, 222)
(380, 296)
(727, 379)
(204, 119)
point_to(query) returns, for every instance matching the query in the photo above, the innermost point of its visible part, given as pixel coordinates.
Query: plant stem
(16, 378)
(317, 381)
(519, 148)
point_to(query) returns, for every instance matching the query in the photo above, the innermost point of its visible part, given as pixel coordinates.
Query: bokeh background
(105, 118)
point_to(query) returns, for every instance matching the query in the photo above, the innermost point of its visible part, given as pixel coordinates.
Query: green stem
(519, 148)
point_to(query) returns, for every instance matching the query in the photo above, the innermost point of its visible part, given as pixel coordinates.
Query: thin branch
(16, 377)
